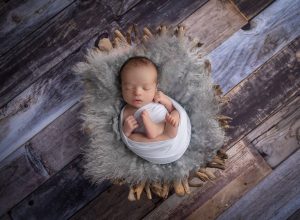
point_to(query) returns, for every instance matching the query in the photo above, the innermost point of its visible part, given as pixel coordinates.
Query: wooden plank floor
(255, 54)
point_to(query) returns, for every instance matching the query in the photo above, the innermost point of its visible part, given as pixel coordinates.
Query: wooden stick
(186, 187)
(179, 189)
(148, 191)
(210, 175)
(105, 44)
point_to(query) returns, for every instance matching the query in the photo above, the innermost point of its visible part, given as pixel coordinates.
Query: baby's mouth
(137, 100)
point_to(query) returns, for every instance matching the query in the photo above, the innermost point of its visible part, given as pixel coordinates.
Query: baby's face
(139, 85)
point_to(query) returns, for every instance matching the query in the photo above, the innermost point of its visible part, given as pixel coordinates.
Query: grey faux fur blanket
(182, 76)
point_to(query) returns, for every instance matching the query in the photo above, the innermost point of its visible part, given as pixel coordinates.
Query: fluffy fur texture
(182, 76)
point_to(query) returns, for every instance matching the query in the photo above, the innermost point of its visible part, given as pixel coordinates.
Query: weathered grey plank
(281, 129)
(67, 185)
(244, 169)
(251, 8)
(40, 158)
(38, 106)
(276, 197)
(246, 50)
(19, 19)
(264, 92)
(49, 45)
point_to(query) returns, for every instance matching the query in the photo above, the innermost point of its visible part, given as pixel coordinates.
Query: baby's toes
(168, 118)
(145, 114)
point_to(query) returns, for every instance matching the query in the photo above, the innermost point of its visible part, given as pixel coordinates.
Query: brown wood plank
(62, 195)
(276, 197)
(213, 23)
(264, 92)
(40, 158)
(248, 49)
(250, 8)
(120, 7)
(18, 19)
(153, 13)
(113, 204)
(243, 163)
(277, 138)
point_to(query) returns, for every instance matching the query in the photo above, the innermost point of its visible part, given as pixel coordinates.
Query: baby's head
(138, 79)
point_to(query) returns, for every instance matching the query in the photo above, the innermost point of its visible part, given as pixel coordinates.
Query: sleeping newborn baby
(150, 120)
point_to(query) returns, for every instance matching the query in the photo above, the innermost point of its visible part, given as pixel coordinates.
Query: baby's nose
(137, 91)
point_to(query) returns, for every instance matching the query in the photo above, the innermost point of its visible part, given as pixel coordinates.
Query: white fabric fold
(160, 152)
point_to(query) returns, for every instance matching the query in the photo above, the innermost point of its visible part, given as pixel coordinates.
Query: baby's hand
(164, 100)
(160, 97)
(130, 123)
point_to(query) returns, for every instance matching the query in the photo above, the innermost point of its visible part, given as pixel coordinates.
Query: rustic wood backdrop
(254, 48)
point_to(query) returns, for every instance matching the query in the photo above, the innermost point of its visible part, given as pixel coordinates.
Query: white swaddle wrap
(160, 152)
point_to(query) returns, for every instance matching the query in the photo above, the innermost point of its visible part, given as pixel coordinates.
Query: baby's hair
(134, 62)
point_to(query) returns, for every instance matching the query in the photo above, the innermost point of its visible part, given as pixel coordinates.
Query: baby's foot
(130, 124)
(150, 126)
(172, 120)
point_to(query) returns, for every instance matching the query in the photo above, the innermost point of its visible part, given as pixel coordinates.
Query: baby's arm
(164, 100)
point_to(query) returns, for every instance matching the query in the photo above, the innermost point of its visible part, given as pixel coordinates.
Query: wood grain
(40, 158)
(276, 197)
(278, 137)
(113, 204)
(38, 106)
(50, 45)
(84, 186)
(281, 143)
(68, 185)
(264, 92)
(243, 162)
(247, 50)
(153, 13)
(251, 8)
(18, 19)
(213, 23)
(119, 8)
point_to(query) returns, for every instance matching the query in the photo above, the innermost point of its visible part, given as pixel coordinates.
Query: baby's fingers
(133, 123)
(156, 99)
(131, 118)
